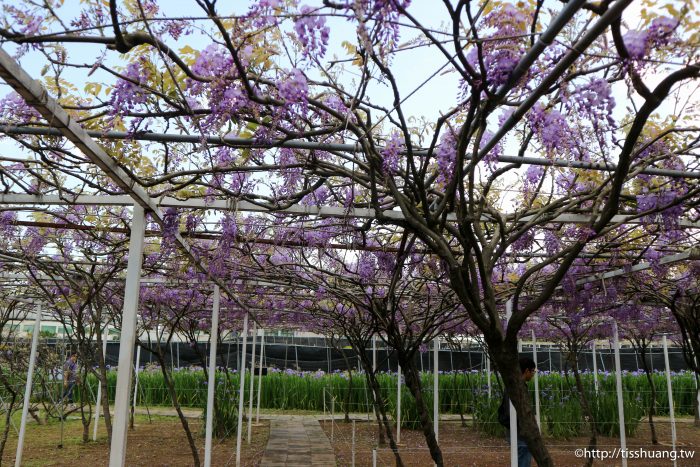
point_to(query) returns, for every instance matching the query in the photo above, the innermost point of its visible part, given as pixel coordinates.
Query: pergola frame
(237, 142)
(62, 125)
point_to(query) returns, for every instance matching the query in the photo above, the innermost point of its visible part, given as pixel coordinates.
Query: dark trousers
(524, 454)
(68, 391)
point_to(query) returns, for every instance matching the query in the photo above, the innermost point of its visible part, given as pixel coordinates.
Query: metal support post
(374, 354)
(136, 377)
(537, 382)
(670, 398)
(98, 403)
(241, 391)
(620, 404)
(117, 453)
(28, 386)
(262, 355)
(595, 368)
(436, 398)
(252, 385)
(513, 415)
(213, 338)
(398, 404)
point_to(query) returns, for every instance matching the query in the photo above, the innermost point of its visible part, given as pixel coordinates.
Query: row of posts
(436, 345)
(513, 414)
(126, 356)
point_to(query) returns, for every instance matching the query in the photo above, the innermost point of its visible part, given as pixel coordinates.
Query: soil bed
(466, 447)
(161, 442)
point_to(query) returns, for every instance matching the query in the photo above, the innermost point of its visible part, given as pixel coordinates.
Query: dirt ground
(462, 447)
(161, 442)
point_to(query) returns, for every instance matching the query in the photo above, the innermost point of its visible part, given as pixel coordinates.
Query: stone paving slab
(297, 442)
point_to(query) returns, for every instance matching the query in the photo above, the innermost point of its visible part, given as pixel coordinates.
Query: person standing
(70, 376)
(527, 370)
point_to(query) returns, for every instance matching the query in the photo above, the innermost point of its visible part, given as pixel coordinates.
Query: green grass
(465, 393)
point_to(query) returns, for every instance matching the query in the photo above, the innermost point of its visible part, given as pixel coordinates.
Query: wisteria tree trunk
(348, 393)
(9, 410)
(585, 406)
(643, 350)
(502, 354)
(176, 404)
(413, 382)
(378, 402)
(85, 415)
(101, 374)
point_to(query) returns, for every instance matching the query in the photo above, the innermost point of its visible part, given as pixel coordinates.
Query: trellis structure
(436, 197)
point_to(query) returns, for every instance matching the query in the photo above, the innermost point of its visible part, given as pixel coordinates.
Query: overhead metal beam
(63, 125)
(689, 254)
(35, 95)
(297, 209)
(237, 142)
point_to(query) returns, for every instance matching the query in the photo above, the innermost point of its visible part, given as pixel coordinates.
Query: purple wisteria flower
(130, 90)
(660, 33)
(294, 87)
(636, 43)
(392, 152)
(446, 155)
(312, 32)
(550, 126)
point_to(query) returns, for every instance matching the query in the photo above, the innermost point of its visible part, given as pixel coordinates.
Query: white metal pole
(670, 397)
(513, 415)
(214, 340)
(374, 457)
(252, 385)
(695, 380)
(332, 418)
(353, 443)
(620, 406)
(98, 402)
(262, 354)
(537, 383)
(398, 404)
(241, 391)
(374, 354)
(296, 355)
(117, 453)
(488, 371)
(136, 376)
(595, 368)
(436, 402)
(28, 386)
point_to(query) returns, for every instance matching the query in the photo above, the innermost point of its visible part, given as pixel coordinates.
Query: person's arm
(70, 369)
